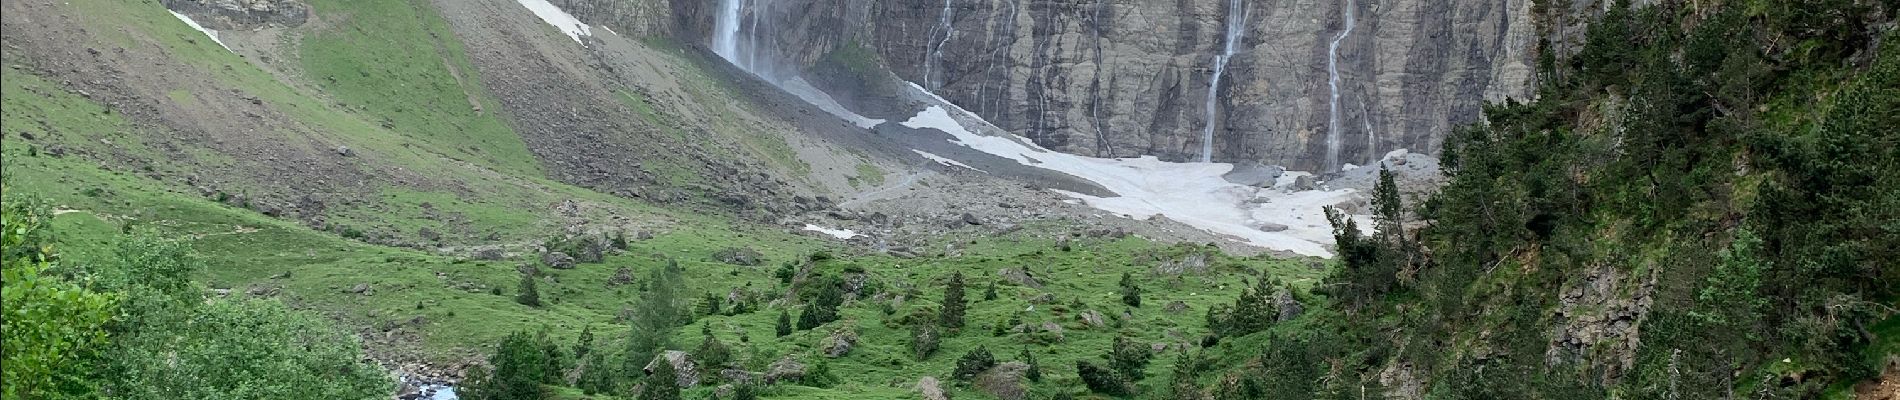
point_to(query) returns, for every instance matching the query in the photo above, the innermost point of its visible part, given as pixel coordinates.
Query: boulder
(362, 289)
(1253, 173)
(840, 342)
(1093, 318)
(1004, 381)
(739, 256)
(687, 372)
(930, 389)
(557, 260)
(738, 376)
(1019, 277)
(1269, 227)
(784, 370)
(1290, 308)
(971, 219)
(1175, 306)
(1305, 182)
(621, 276)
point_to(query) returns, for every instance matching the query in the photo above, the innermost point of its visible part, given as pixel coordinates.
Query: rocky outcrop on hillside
(242, 14)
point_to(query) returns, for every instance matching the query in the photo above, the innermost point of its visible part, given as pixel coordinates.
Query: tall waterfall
(726, 30)
(1332, 72)
(934, 54)
(1236, 29)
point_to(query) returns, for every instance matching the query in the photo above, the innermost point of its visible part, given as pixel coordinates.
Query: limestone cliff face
(1124, 78)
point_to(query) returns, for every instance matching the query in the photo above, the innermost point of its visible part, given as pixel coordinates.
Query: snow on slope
(845, 234)
(946, 161)
(797, 86)
(553, 15)
(1191, 193)
(201, 28)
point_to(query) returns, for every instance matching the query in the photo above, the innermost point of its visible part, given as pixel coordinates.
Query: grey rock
(1253, 173)
(1175, 306)
(687, 372)
(744, 256)
(1290, 308)
(930, 389)
(1019, 277)
(784, 370)
(1305, 182)
(1093, 318)
(1004, 381)
(557, 260)
(362, 289)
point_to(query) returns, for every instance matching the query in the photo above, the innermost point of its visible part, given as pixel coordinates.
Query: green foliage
(1102, 380)
(712, 354)
(823, 308)
(972, 363)
(527, 295)
(656, 315)
(598, 376)
(1034, 372)
(989, 293)
(1129, 358)
(662, 383)
(242, 349)
(784, 325)
(820, 375)
(1131, 293)
(50, 325)
(924, 339)
(516, 372)
(951, 316)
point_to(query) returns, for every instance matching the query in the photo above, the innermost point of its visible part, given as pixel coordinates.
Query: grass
(397, 63)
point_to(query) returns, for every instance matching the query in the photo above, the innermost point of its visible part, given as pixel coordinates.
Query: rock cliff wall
(1121, 78)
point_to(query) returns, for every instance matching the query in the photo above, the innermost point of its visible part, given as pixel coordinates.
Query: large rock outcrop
(1131, 77)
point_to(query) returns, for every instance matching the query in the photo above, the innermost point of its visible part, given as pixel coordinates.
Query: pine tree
(823, 307)
(1129, 358)
(973, 363)
(1034, 372)
(710, 304)
(1131, 294)
(784, 323)
(528, 296)
(951, 317)
(657, 314)
(989, 294)
(712, 354)
(584, 344)
(662, 383)
(923, 340)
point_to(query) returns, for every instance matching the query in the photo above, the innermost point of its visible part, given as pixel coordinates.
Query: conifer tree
(951, 317)
(784, 323)
(528, 296)
(662, 383)
(1131, 294)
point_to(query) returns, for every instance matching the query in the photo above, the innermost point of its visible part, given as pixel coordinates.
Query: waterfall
(934, 54)
(1332, 72)
(726, 31)
(1236, 29)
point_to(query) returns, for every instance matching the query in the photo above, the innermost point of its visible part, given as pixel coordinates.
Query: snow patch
(553, 15)
(946, 161)
(1191, 193)
(804, 90)
(201, 28)
(842, 234)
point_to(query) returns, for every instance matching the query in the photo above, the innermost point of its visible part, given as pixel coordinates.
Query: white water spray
(1332, 72)
(935, 54)
(726, 31)
(1236, 29)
